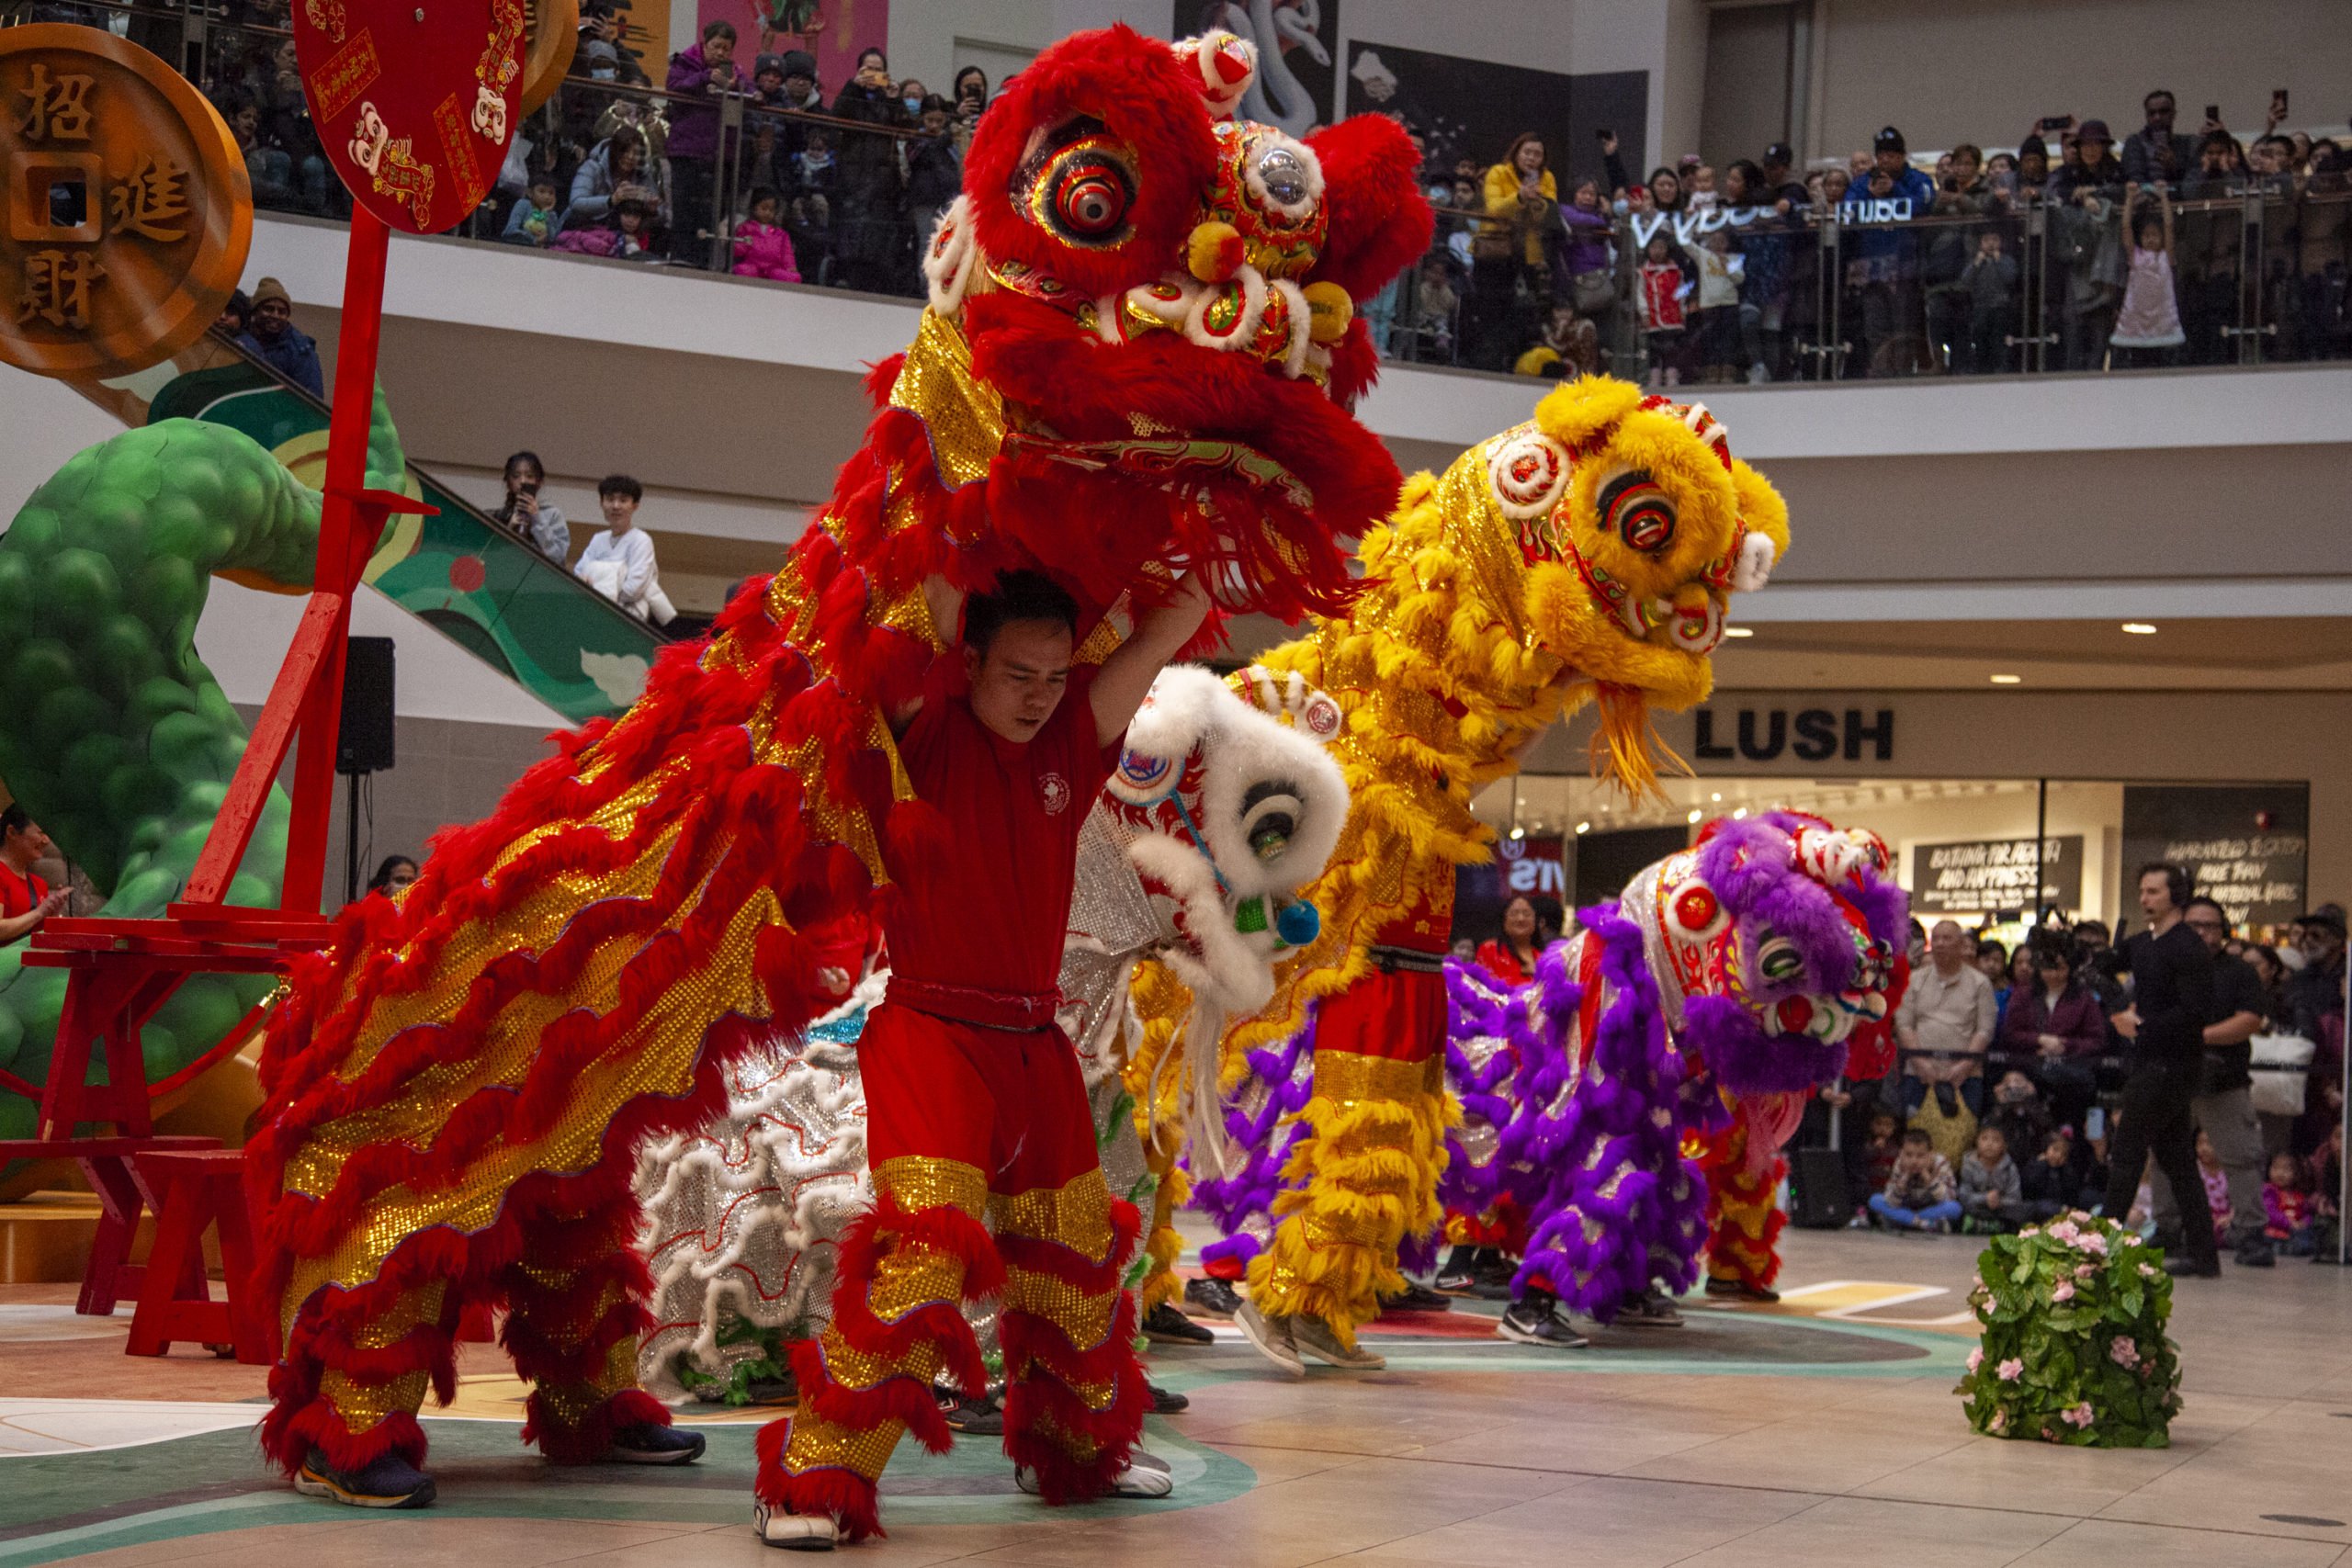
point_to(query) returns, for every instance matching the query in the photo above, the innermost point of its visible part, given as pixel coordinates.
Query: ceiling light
(1517, 832)
(2140, 627)
(1717, 795)
(1750, 631)
(2007, 679)
(1740, 815)
(1584, 827)
(1694, 814)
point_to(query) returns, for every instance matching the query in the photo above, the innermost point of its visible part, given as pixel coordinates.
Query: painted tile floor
(1822, 1432)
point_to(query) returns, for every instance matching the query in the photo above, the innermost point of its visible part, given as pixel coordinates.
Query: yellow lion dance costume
(1588, 556)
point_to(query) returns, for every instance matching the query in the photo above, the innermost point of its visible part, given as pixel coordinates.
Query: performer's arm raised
(1126, 676)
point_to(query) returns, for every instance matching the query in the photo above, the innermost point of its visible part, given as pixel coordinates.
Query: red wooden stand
(123, 970)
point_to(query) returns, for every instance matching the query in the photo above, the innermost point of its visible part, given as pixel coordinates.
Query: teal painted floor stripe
(484, 1473)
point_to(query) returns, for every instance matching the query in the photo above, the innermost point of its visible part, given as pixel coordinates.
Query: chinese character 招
(57, 287)
(60, 108)
(154, 194)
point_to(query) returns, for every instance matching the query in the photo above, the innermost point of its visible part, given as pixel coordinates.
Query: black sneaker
(2256, 1252)
(1651, 1309)
(1724, 1289)
(1416, 1297)
(971, 1418)
(648, 1444)
(1533, 1319)
(1163, 1324)
(1458, 1273)
(1164, 1401)
(390, 1482)
(1211, 1297)
(2190, 1268)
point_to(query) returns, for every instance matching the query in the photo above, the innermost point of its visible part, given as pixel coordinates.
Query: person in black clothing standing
(2172, 1002)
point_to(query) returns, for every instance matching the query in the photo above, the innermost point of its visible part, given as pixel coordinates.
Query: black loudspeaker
(1817, 1196)
(362, 742)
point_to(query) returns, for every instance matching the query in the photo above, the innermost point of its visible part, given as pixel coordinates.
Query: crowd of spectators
(1696, 274)
(2141, 255)
(2007, 1098)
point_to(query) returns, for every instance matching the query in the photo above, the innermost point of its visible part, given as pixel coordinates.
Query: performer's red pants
(964, 1121)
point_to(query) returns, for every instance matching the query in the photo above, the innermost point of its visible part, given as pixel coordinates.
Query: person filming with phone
(24, 899)
(544, 526)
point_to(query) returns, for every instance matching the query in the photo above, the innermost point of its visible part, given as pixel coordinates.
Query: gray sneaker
(1651, 1309)
(1271, 1338)
(1319, 1339)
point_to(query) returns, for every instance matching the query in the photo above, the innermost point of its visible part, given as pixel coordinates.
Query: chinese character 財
(154, 194)
(60, 108)
(57, 287)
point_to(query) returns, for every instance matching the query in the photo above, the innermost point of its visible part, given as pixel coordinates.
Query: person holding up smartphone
(2156, 153)
(24, 899)
(543, 525)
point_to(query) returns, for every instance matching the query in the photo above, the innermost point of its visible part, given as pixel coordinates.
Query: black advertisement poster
(1298, 44)
(1982, 876)
(1469, 111)
(2244, 846)
(1529, 867)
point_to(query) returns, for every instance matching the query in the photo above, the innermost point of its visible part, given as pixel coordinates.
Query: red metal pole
(341, 525)
(309, 693)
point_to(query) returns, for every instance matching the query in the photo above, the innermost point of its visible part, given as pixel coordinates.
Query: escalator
(458, 571)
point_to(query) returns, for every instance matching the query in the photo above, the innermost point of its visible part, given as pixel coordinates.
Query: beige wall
(1984, 71)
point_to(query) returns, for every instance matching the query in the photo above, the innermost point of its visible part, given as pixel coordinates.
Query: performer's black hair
(1019, 596)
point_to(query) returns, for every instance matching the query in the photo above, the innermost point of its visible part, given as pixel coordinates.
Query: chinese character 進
(60, 108)
(154, 193)
(57, 287)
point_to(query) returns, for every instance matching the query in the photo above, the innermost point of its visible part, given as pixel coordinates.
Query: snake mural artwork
(113, 734)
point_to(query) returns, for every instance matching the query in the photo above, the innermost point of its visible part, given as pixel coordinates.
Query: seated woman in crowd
(619, 160)
(2056, 1027)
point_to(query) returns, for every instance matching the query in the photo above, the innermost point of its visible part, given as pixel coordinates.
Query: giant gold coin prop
(414, 100)
(550, 41)
(129, 212)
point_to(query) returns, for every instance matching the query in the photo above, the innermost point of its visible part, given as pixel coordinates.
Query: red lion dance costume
(1136, 362)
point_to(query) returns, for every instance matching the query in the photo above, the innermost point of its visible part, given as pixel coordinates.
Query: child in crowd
(1919, 1194)
(1662, 289)
(2217, 1187)
(624, 232)
(1991, 1195)
(2048, 1183)
(1716, 321)
(2018, 1111)
(534, 220)
(2290, 1207)
(762, 248)
(2149, 323)
(1990, 281)
(1699, 191)
(1435, 307)
(1869, 1160)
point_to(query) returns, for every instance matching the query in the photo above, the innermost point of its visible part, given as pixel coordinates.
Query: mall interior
(2067, 591)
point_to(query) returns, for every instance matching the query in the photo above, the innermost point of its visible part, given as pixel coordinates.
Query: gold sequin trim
(572, 1403)
(926, 1181)
(963, 415)
(862, 1370)
(910, 1278)
(1347, 1075)
(362, 1407)
(1076, 1214)
(1085, 1318)
(818, 1444)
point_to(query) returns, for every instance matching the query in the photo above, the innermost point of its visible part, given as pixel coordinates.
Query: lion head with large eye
(1779, 941)
(1130, 265)
(1636, 526)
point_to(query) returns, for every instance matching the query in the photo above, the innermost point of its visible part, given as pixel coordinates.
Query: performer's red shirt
(1013, 810)
(18, 895)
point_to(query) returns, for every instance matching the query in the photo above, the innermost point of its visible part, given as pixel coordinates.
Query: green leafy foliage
(757, 1379)
(2073, 1349)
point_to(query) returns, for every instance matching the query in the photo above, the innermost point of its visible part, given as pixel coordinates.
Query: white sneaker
(793, 1532)
(1144, 1476)
(1271, 1338)
(1317, 1338)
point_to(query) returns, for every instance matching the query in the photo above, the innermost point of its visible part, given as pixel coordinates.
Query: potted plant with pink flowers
(2073, 1349)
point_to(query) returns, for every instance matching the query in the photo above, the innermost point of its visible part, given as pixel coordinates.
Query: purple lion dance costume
(1728, 982)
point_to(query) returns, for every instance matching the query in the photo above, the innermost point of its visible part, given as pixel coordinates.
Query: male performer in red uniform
(974, 1105)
